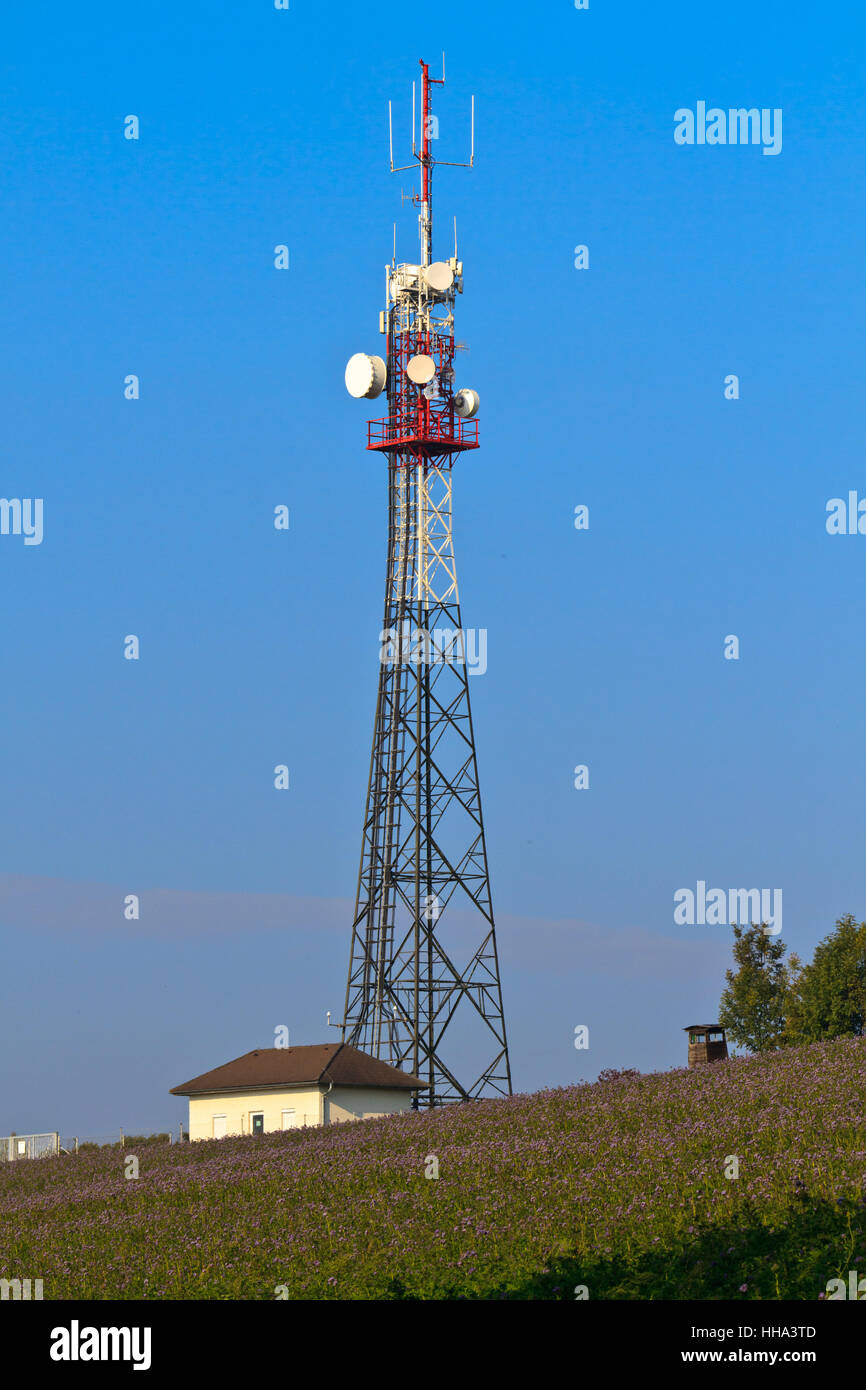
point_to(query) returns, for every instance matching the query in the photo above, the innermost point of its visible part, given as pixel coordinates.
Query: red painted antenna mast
(426, 159)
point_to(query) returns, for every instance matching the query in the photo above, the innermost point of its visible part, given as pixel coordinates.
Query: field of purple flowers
(620, 1186)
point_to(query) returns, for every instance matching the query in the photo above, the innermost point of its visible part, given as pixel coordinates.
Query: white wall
(238, 1109)
(311, 1107)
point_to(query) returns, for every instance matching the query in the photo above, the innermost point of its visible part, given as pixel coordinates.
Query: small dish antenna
(365, 376)
(421, 369)
(466, 403)
(439, 276)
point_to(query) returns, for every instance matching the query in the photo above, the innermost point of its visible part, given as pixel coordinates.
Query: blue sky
(603, 387)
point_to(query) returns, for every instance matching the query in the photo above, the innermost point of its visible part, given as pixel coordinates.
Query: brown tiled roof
(269, 1068)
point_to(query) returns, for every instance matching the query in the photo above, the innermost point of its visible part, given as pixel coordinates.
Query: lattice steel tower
(423, 990)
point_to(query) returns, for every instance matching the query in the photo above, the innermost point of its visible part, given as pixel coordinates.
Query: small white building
(288, 1087)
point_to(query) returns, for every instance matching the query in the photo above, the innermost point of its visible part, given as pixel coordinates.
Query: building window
(290, 1119)
(257, 1122)
(219, 1126)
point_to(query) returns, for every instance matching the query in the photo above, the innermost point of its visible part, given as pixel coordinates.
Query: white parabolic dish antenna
(421, 369)
(466, 403)
(365, 376)
(439, 276)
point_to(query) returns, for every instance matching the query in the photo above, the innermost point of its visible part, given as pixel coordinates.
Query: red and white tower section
(423, 989)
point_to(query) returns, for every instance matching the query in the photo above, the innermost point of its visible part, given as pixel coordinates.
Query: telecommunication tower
(423, 990)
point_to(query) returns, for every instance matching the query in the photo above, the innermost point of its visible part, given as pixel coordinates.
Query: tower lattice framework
(423, 990)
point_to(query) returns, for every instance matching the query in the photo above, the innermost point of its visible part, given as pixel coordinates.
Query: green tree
(828, 998)
(752, 1008)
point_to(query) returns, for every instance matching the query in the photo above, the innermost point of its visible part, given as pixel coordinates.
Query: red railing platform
(440, 435)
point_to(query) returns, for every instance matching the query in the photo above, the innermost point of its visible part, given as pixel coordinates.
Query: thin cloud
(533, 943)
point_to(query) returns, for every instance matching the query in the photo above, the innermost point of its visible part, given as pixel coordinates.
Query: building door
(258, 1123)
(290, 1119)
(219, 1126)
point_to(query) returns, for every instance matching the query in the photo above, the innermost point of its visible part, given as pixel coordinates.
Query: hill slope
(619, 1186)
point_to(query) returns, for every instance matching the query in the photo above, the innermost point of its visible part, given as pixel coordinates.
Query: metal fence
(14, 1146)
